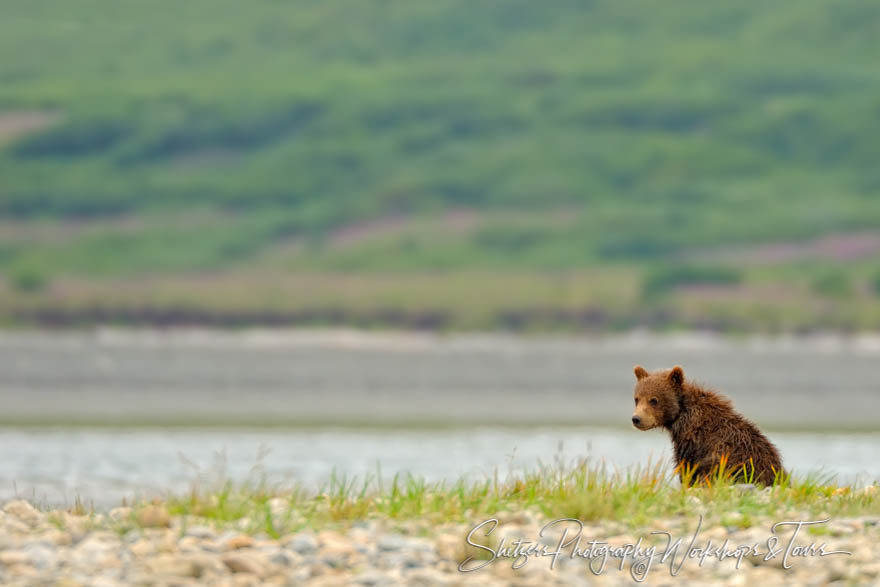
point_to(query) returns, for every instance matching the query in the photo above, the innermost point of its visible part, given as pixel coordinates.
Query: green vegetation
(664, 279)
(27, 278)
(279, 141)
(876, 283)
(589, 492)
(833, 284)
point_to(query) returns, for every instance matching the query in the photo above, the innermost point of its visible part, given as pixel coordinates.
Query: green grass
(637, 498)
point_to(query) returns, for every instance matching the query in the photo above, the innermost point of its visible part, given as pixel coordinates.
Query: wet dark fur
(703, 426)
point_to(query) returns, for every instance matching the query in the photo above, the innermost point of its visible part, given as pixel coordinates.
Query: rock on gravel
(303, 543)
(154, 516)
(24, 511)
(240, 541)
(243, 563)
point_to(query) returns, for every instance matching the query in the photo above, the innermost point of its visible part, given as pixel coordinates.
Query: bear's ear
(676, 376)
(640, 372)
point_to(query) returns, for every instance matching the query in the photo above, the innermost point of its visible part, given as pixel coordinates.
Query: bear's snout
(643, 421)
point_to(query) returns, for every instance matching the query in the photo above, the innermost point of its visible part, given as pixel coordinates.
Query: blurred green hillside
(595, 164)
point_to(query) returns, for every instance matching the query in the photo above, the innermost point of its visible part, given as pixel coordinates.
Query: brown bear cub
(704, 428)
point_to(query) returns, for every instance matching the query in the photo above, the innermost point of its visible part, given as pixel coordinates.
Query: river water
(110, 414)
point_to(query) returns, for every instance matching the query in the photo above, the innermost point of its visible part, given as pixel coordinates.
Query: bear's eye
(637, 401)
(653, 401)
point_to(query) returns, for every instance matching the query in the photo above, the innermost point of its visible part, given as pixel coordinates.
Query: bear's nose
(636, 421)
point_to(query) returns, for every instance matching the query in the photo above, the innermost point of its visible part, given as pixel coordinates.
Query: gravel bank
(149, 547)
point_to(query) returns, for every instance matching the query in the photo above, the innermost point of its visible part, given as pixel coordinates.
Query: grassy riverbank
(591, 493)
(405, 531)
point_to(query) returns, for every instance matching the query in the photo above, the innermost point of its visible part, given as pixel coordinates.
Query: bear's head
(657, 396)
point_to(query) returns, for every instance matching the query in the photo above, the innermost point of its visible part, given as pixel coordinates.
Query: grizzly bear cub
(704, 427)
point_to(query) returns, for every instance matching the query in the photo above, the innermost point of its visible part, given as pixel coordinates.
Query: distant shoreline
(413, 340)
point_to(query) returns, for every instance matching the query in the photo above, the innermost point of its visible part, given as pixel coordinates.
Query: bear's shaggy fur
(704, 427)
